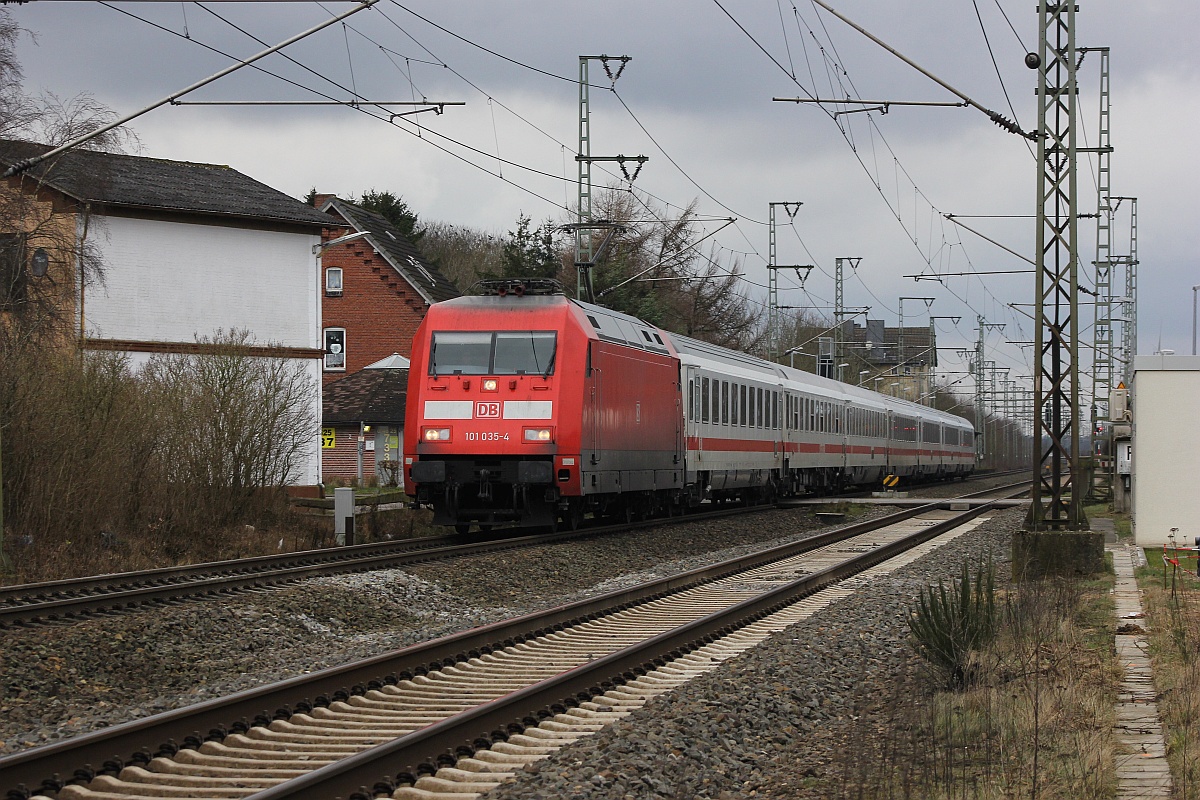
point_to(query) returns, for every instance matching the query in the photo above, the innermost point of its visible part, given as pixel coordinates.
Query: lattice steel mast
(774, 323)
(1057, 494)
(1102, 331)
(586, 255)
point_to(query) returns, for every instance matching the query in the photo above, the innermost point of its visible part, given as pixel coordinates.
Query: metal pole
(1057, 492)
(1194, 288)
(583, 238)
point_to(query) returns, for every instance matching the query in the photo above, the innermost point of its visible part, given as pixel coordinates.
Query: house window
(335, 349)
(333, 281)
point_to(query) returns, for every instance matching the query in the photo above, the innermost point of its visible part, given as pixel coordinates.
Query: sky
(697, 99)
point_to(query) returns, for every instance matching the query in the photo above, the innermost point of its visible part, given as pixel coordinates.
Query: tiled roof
(402, 254)
(369, 395)
(116, 179)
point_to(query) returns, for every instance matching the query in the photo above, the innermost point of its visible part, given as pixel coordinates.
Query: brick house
(376, 289)
(901, 362)
(363, 424)
(186, 248)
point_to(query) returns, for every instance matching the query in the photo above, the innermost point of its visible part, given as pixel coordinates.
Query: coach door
(845, 434)
(695, 431)
(596, 401)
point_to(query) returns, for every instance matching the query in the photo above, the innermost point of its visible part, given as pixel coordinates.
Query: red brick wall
(378, 308)
(341, 461)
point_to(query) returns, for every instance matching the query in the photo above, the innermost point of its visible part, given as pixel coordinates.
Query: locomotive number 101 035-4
(485, 436)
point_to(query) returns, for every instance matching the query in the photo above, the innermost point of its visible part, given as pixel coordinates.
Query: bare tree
(230, 423)
(462, 253)
(656, 270)
(46, 117)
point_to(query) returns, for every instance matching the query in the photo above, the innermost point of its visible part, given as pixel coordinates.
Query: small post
(343, 515)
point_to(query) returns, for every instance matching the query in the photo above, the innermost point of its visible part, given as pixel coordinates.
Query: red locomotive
(525, 406)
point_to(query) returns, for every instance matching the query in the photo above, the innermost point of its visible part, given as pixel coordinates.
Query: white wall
(168, 281)
(1166, 449)
(172, 281)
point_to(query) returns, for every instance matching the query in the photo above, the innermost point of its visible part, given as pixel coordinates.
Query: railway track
(520, 686)
(77, 598)
(68, 600)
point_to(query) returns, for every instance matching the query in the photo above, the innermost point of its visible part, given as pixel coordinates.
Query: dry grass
(287, 530)
(1173, 617)
(1036, 722)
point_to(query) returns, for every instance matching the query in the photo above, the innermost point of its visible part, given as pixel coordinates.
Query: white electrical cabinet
(1165, 459)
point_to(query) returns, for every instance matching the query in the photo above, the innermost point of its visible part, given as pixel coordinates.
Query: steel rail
(137, 742)
(361, 776)
(298, 567)
(25, 593)
(67, 599)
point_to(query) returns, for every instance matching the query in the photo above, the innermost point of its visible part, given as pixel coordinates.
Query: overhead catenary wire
(25, 164)
(873, 127)
(1006, 124)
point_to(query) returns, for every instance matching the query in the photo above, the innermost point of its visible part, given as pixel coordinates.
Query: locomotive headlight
(436, 435)
(490, 385)
(539, 435)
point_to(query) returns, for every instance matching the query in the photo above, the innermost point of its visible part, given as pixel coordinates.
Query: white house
(187, 249)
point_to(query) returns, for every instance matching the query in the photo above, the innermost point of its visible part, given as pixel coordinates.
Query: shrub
(948, 626)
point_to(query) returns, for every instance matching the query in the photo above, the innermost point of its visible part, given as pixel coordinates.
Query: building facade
(375, 286)
(179, 252)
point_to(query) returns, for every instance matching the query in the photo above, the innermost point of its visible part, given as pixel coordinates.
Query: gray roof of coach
(686, 344)
(623, 328)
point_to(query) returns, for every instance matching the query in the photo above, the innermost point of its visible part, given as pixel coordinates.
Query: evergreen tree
(531, 253)
(392, 208)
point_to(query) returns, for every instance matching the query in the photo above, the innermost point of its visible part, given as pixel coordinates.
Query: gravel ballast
(768, 722)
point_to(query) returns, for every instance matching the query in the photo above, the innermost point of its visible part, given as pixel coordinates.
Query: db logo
(487, 410)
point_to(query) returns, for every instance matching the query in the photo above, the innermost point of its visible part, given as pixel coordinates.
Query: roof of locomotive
(598, 321)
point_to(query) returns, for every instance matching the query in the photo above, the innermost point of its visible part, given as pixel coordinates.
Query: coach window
(704, 399)
(742, 404)
(733, 404)
(724, 402)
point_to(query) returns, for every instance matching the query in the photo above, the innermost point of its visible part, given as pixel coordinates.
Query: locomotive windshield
(492, 353)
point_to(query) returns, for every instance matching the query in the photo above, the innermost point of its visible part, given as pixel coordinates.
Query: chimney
(875, 332)
(320, 200)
